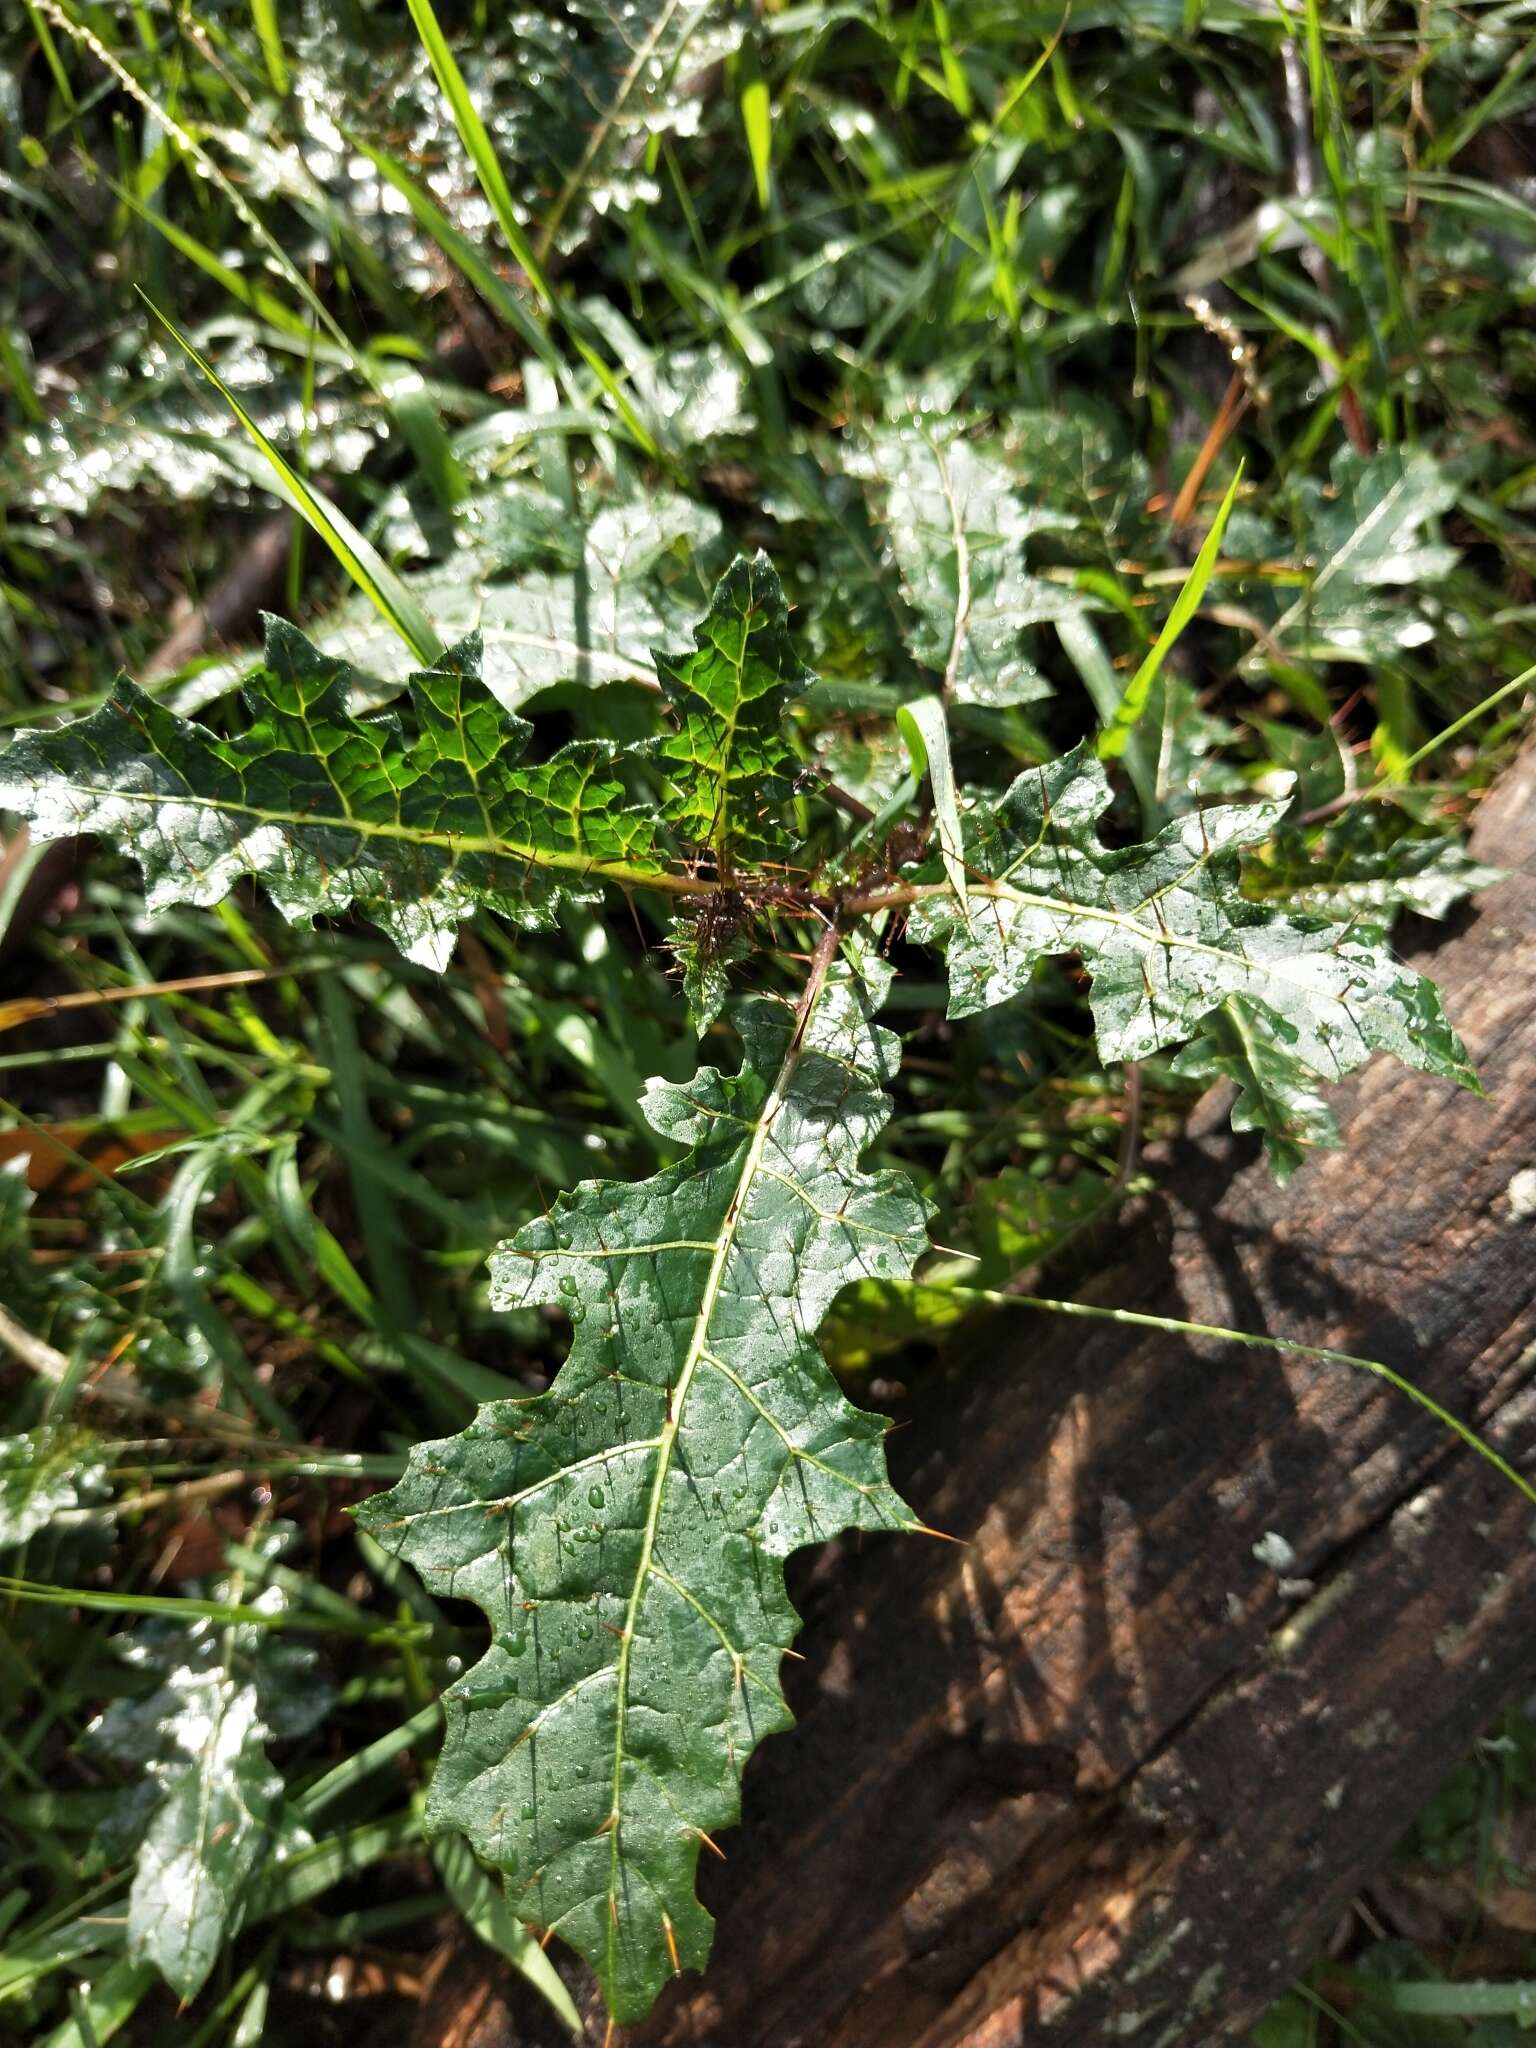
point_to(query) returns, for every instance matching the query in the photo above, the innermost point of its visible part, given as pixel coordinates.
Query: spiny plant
(625, 1532)
(564, 306)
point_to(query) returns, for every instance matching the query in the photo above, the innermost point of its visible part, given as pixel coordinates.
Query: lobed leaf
(330, 812)
(625, 1532)
(731, 767)
(1168, 936)
(957, 528)
(205, 1810)
(1250, 1046)
(1366, 536)
(1369, 864)
(627, 586)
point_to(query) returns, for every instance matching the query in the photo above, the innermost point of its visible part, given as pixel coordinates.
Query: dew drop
(567, 1284)
(576, 1312)
(525, 1813)
(584, 1630)
(595, 1496)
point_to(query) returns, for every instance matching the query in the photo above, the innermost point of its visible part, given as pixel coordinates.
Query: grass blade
(357, 555)
(1113, 739)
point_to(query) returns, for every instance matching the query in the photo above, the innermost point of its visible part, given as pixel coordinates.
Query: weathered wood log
(1106, 1773)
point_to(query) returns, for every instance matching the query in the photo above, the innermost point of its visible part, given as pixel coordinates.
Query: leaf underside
(625, 1532)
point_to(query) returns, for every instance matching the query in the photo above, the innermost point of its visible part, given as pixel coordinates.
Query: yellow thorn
(666, 1928)
(941, 1535)
(710, 1843)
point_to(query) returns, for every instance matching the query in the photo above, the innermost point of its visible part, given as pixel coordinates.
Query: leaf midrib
(411, 835)
(697, 1351)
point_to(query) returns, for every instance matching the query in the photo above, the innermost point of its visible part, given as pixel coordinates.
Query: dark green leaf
(731, 767)
(329, 811)
(625, 1532)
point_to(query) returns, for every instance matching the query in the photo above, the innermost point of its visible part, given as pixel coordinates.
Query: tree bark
(1107, 1772)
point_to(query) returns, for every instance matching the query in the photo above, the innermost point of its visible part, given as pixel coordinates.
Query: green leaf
(627, 86)
(625, 1532)
(158, 432)
(1252, 1046)
(731, 767)
(1166, 933)
(220, 1797)
(482, 1901)
(628, 585)
(1018, 1218)
(1370, 863)
(357, 555)
(331, 812)
(1365, 537)
(478, 144)
(209, 1800)
(707, 941)
(926, 733)
(958, 527)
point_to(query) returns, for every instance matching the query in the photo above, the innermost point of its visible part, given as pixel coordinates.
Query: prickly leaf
(1370, 863)
(729, 763)
(625, 1532)
(627, 586)
(1167, 934)
(331, 812)
(1372, 547)
(958, 528)
(1249, 1045)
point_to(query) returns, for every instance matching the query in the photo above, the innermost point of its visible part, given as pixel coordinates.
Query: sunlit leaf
(331, 812)
(730, 765)
(1166, 933)
(1370, 552)
(1368, 864)
(46, 1472)
(958, 527)
(209, 1798)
